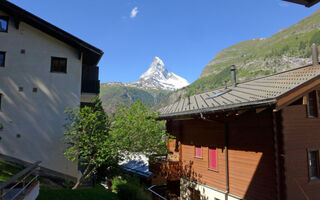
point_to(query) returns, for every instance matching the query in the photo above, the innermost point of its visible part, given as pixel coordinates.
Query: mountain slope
(114, 94)
(289, 48)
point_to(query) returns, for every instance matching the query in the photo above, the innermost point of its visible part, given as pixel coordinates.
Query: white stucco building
(43, 70)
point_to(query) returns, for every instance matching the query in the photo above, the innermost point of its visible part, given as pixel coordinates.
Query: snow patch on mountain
(158, 77)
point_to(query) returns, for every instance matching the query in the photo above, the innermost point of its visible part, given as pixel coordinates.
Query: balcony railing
(21, 184)
(166, 168)
(90, 79)
(90, 86)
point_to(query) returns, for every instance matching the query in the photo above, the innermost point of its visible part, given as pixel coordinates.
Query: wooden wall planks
(300, 133)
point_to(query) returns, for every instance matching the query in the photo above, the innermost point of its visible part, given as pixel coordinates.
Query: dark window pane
(314, 164)
(3, 24)
(312, 104)
(58, 64)
(2, 59)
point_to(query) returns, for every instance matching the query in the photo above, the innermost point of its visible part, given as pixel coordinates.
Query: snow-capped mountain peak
(158, 77)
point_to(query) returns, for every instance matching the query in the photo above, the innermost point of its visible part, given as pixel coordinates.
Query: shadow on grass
(96, 193)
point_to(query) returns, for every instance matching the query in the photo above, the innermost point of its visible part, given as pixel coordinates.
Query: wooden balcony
(168, 169)
(90, 79)
(90, 86)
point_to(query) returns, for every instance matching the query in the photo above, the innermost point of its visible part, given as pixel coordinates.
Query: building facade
(43, 70)
(253, 140)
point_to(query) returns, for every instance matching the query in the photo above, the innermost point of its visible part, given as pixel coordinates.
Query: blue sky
(185, 34)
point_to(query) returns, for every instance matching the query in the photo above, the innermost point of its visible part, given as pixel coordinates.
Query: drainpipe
(226, 146)
(315, 55)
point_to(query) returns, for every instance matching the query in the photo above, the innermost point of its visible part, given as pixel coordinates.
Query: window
(213, 158)
(198, 152)
(312, 104)
(2, 58)
(58, 65)
(4, 24)
(314, 165)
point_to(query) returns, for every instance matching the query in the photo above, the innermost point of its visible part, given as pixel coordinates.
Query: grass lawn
(96, 193)
(7, 171)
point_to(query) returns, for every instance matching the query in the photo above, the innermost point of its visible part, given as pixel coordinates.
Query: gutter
(226, 147)
(255, 104)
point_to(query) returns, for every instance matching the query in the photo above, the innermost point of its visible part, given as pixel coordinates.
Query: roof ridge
(256, 79)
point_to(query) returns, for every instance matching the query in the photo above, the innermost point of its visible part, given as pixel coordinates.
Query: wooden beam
(259, 110)
(287, 99)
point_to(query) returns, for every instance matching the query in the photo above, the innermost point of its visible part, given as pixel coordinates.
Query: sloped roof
(258, 92)
(307, 3)
(91, 54)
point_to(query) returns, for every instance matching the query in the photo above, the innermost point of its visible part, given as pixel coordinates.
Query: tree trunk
(81, 179)
(77, 184)
(86, 174)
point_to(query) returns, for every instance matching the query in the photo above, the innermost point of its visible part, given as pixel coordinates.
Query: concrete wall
(33, 122)
(206, 192)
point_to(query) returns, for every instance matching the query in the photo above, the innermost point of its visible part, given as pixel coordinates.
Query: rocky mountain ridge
(153, 86)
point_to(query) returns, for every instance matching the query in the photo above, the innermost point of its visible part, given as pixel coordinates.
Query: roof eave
(241, 106)
(37, 22)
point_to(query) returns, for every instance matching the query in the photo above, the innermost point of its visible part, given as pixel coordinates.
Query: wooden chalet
(307, 3)
(254, 140)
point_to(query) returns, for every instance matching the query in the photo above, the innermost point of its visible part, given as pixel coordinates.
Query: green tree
(136, 129)
(87, 138)
(94, 140)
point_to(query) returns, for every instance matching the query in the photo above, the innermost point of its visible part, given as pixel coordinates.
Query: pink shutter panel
(213, 158)
(198, 152)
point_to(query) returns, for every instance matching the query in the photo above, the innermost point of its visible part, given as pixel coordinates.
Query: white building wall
(207, 193)
(38, 118)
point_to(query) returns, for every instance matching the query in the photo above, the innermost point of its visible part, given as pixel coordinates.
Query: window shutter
(212, 158)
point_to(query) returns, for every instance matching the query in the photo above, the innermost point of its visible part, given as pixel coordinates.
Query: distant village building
(254, 140)
(43, 70)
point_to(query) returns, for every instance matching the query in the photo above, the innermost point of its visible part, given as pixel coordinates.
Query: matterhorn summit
(158, 77)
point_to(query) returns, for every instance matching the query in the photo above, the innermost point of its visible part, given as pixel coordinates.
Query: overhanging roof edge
(266, 102)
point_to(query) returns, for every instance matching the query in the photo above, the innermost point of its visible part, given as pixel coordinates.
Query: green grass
(96, 193)
(7, 171)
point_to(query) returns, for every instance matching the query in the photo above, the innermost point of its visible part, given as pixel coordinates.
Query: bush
(130, 191)
(116, 182)
(129, 188)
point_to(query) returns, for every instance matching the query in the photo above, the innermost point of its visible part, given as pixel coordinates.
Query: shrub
(129, 188)
(116, 182)
(130, 191)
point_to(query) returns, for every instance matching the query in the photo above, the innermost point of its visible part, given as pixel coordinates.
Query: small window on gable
(58, 65)
(312, 104)
(314, 165)
(2, 58)
(213, 158)
(4, 24)
(198, 152)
